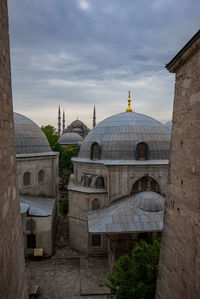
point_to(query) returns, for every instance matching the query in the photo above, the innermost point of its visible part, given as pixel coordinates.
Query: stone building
(122, 156)
(77, 126)
(37, 173)
(179, 271)
(12, 277)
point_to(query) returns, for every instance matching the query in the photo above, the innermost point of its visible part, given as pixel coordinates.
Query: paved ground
(68, 274)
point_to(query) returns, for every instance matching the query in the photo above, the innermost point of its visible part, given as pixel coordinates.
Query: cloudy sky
(78, 53)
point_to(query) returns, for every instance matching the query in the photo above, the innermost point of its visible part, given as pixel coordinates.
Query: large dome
(29, 138)
(70, 138)
(119, 135)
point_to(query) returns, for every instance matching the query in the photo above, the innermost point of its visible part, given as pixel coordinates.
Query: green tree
(52, 136)
(135, 277)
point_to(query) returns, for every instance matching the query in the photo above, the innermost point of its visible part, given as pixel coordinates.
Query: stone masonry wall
(179, 271)
(12, 277)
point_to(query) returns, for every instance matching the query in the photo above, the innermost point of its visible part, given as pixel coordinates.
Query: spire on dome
(129, 109)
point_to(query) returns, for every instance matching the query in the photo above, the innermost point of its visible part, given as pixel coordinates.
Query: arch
(142, 151)
(41, 176)
(87, 180)
(100, 183)
(30, 225)
(95, 151)
(26, 178)
(95, 204)
(146, 183)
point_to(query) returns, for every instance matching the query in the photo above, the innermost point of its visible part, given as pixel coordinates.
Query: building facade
(122, 156)
(179, 270)
(37, 173)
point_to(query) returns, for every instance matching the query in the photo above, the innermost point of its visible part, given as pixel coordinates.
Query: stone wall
(179, 273)
(48, 187)
(12, 278)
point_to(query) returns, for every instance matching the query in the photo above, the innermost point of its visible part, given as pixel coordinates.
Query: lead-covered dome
(29, 138)
(118, 136)
(70, 138)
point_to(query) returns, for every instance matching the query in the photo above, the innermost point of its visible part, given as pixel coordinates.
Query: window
(27, 179)
(100, 182)
(142, 151)
(95, 204)
(31, 241)
(96, 240)
(30, 225)
(146, 183)
(95, 151)
(41, 176)
(87, 180)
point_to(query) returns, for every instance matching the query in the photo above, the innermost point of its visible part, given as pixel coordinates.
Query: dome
(169, 125)
(29, 138)
(70, 138)
(119, 135)
(77, 124)
(149, 201)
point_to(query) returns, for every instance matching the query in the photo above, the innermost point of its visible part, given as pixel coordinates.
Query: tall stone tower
(63, 122)
(12, 273)
(179, 271)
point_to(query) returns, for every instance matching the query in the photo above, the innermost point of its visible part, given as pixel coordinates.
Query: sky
(81, 53)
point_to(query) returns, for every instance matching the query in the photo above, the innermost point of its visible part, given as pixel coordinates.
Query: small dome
(29, 138)
(149, 201)
(70, 138)
(119, 135)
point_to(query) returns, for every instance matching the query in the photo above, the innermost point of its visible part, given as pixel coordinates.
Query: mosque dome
(118, 137)
(149, 201)
(70, 138)
(29, 138)
(77, 124)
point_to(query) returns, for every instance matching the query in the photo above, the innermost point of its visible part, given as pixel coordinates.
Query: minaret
(63, 121)
(129, 109)
(94, 117)
(59, 122)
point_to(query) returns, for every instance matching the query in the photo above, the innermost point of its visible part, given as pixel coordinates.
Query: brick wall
(179, 273)
(12, 278)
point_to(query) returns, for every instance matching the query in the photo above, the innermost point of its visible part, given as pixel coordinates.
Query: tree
(135, 276)
(52, 136)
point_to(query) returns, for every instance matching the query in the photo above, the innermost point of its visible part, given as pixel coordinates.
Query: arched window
(30, 225)
(142, 151)
(100, 182)
(41, 176)
(146, 183)
(95, 204)
(87, 180)
(27, 178)
(95, 151)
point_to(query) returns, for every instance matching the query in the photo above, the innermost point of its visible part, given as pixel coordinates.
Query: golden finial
(129, 109)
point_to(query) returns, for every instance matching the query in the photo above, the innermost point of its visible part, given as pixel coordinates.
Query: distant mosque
(75, 132)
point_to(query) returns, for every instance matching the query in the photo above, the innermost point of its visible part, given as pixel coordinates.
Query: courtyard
(68, 273)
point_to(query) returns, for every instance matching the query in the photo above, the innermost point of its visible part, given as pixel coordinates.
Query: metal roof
(29, 138)
(128, 216)
(119, 134)
(70, 138)
(36, 206)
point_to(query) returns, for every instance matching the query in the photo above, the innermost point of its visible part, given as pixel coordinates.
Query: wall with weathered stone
(179, 273)
(49, 187)
(12, 273)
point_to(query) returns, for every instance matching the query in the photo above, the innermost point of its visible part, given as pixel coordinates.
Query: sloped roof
(36, 206)
(128, 216)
